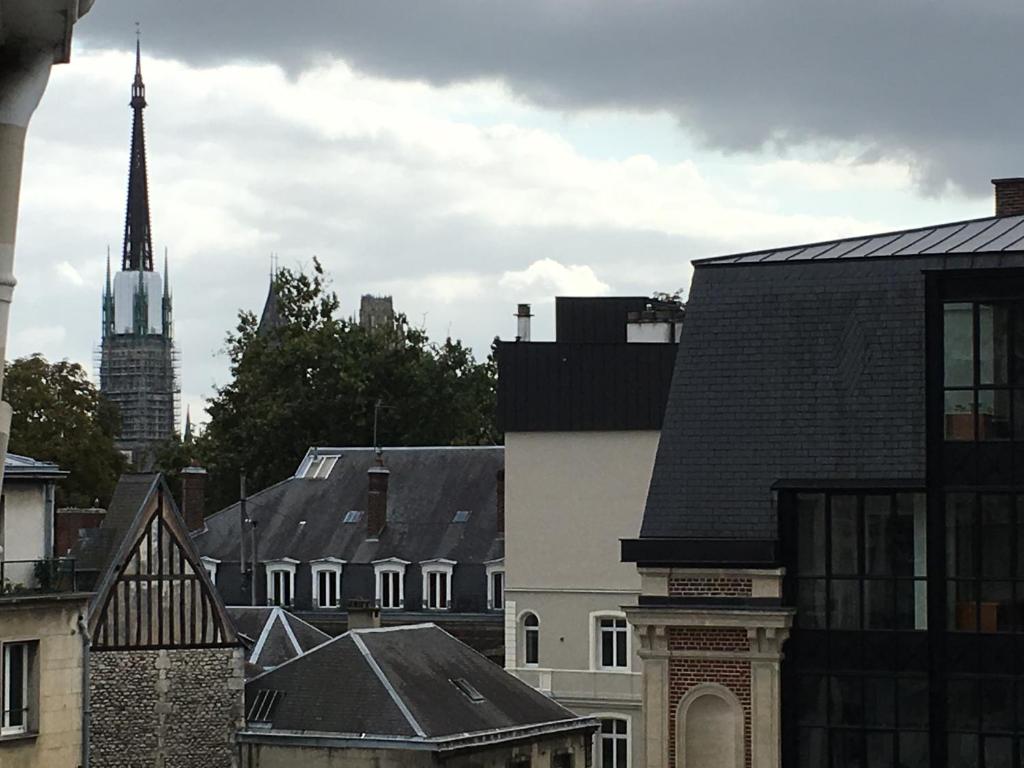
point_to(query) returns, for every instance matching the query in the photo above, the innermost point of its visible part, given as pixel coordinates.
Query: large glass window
(15, 696)
(531, 639)
(280, 583)
(613, 643)
(983, 370)
(614, 735)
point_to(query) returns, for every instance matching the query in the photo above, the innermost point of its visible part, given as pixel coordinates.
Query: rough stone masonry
(166, 709)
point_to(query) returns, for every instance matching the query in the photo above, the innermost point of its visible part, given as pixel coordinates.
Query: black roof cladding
(587, 319)
(426, 486)
(794, 364)
(404, 678)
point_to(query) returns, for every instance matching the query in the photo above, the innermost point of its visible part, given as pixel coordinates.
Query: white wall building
(26, 516)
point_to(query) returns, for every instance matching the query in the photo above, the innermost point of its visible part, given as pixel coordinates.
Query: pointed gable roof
(154, 591)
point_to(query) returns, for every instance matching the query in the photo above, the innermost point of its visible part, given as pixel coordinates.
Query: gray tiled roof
(272, 635)
(97, 545)
(989, 235)
(403, 677)
(303, 518)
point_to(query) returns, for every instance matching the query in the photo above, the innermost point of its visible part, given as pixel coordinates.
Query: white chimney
(523, 322)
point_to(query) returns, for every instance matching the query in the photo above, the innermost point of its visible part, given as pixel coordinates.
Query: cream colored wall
(54, 624)
(24, 528)
(569, 498)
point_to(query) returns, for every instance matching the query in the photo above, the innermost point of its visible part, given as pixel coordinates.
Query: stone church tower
(137, 354)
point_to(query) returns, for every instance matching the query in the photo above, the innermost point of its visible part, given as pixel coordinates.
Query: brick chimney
(363, 614)
(193, 497)
(377, 499)
(1009, 196)
(500, 492)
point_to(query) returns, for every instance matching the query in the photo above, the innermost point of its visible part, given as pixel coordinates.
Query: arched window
(531, 639)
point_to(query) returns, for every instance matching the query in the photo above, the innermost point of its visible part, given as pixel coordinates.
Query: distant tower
(376, 312)
(137, 355)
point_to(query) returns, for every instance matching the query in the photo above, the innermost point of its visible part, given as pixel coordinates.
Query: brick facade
(166, 709)
(710, 586)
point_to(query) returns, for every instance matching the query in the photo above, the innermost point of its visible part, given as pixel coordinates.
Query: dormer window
(390, 579)
(327, 582)
(437, 584)
(496, 585)
(281, 582)
(210, 565)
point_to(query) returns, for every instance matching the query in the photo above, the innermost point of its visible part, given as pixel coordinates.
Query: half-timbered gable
(156, 593)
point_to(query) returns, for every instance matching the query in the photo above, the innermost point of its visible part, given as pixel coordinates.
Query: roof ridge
(372, 662)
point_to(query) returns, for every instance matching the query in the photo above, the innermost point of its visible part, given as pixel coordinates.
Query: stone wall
(166, 709)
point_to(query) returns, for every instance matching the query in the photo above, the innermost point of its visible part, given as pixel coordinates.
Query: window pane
(607, 649)
(997, 704)
(994, 414)
(620, 752)
(912, 702)
(847, 749)
(811, 604)
(845, 701)
(963, 750)
(962, 597)
(960, 414)
(620, 647)
(880, 701)
(914, 750)
(958, 334)
(998, 752)
(532, 645)
(878, 604)
(993, 343)
(811, 696)
(845, 604)
(911, 604)
(962, 700)
(844, 535)
(810, 510)
(14, 684)
(910, 535)
(880, 749)
(995, 612)
(1017, 351)
(960, 545)
(996, 535)
(813, 748)
(607, 753)
(878, 535)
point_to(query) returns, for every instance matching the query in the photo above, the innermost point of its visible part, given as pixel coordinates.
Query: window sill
(15, 737)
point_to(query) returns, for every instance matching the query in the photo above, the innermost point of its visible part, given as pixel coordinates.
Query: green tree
(60, 416)
(314, 379)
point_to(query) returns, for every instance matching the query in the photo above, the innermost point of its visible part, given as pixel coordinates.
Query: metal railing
(31, 577)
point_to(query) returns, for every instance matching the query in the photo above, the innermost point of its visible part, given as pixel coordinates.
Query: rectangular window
(614, 735)
(614, 636)
(497, 590)
(437, 590)
(16, 696)
(390, 589)
(983, 370)
(280, 587)
(328, 588)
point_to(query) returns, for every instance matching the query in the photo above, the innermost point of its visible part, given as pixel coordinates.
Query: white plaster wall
(24, 521)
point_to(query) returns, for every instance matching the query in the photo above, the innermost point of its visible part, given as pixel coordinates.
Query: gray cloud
(930, 81)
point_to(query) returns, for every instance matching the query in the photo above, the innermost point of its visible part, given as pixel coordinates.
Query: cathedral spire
(138, 240)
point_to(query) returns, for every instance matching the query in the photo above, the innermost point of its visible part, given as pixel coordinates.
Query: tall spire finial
(167, 276)
(138, 240)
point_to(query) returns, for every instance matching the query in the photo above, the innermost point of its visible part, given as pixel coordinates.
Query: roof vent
(467, 689)
(353, 516)
(1009, 196)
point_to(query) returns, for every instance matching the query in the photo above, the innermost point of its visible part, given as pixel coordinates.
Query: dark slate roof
(426, 487)
(989, 235)
(403, 679)
(16, 467)
(811, 370)
(270, 318)
(97, 545)
(272, 635)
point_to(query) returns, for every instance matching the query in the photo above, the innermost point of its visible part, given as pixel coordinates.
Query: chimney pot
(1009, 196)
(193, 497)
(523, 322)
(376, 500)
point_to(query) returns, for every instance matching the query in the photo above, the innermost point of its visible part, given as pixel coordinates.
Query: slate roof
(803, 363)
(427, 486)
(272, 635)
(97, 545)
(403, 676)
(992, 234)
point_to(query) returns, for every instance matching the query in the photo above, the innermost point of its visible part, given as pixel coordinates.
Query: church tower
(137, 354)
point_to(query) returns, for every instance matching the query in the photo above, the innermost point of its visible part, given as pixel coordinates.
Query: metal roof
(24, 466)
(995, 234)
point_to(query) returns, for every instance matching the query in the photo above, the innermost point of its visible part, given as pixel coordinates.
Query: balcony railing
(33, 577)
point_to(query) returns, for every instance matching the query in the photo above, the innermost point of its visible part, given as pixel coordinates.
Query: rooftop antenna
(377, 408)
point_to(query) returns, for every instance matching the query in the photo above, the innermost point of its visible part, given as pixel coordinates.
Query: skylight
(461, 516)
(319, 467)
(467, 689)
(263, 705)
(353, 516)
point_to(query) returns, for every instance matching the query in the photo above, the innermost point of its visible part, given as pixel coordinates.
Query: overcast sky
(465, 155)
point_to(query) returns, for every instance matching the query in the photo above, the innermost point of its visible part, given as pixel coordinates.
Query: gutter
(443, 744)
(83, 629)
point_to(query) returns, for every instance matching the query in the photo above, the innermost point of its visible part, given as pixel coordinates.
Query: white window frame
(430, 568)
(495, 567)
(331, 565)
(523, 634)
(211, 564)
(286, 566)
(6, 682)
(599, 738)
(596, 638)
(389, 565)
